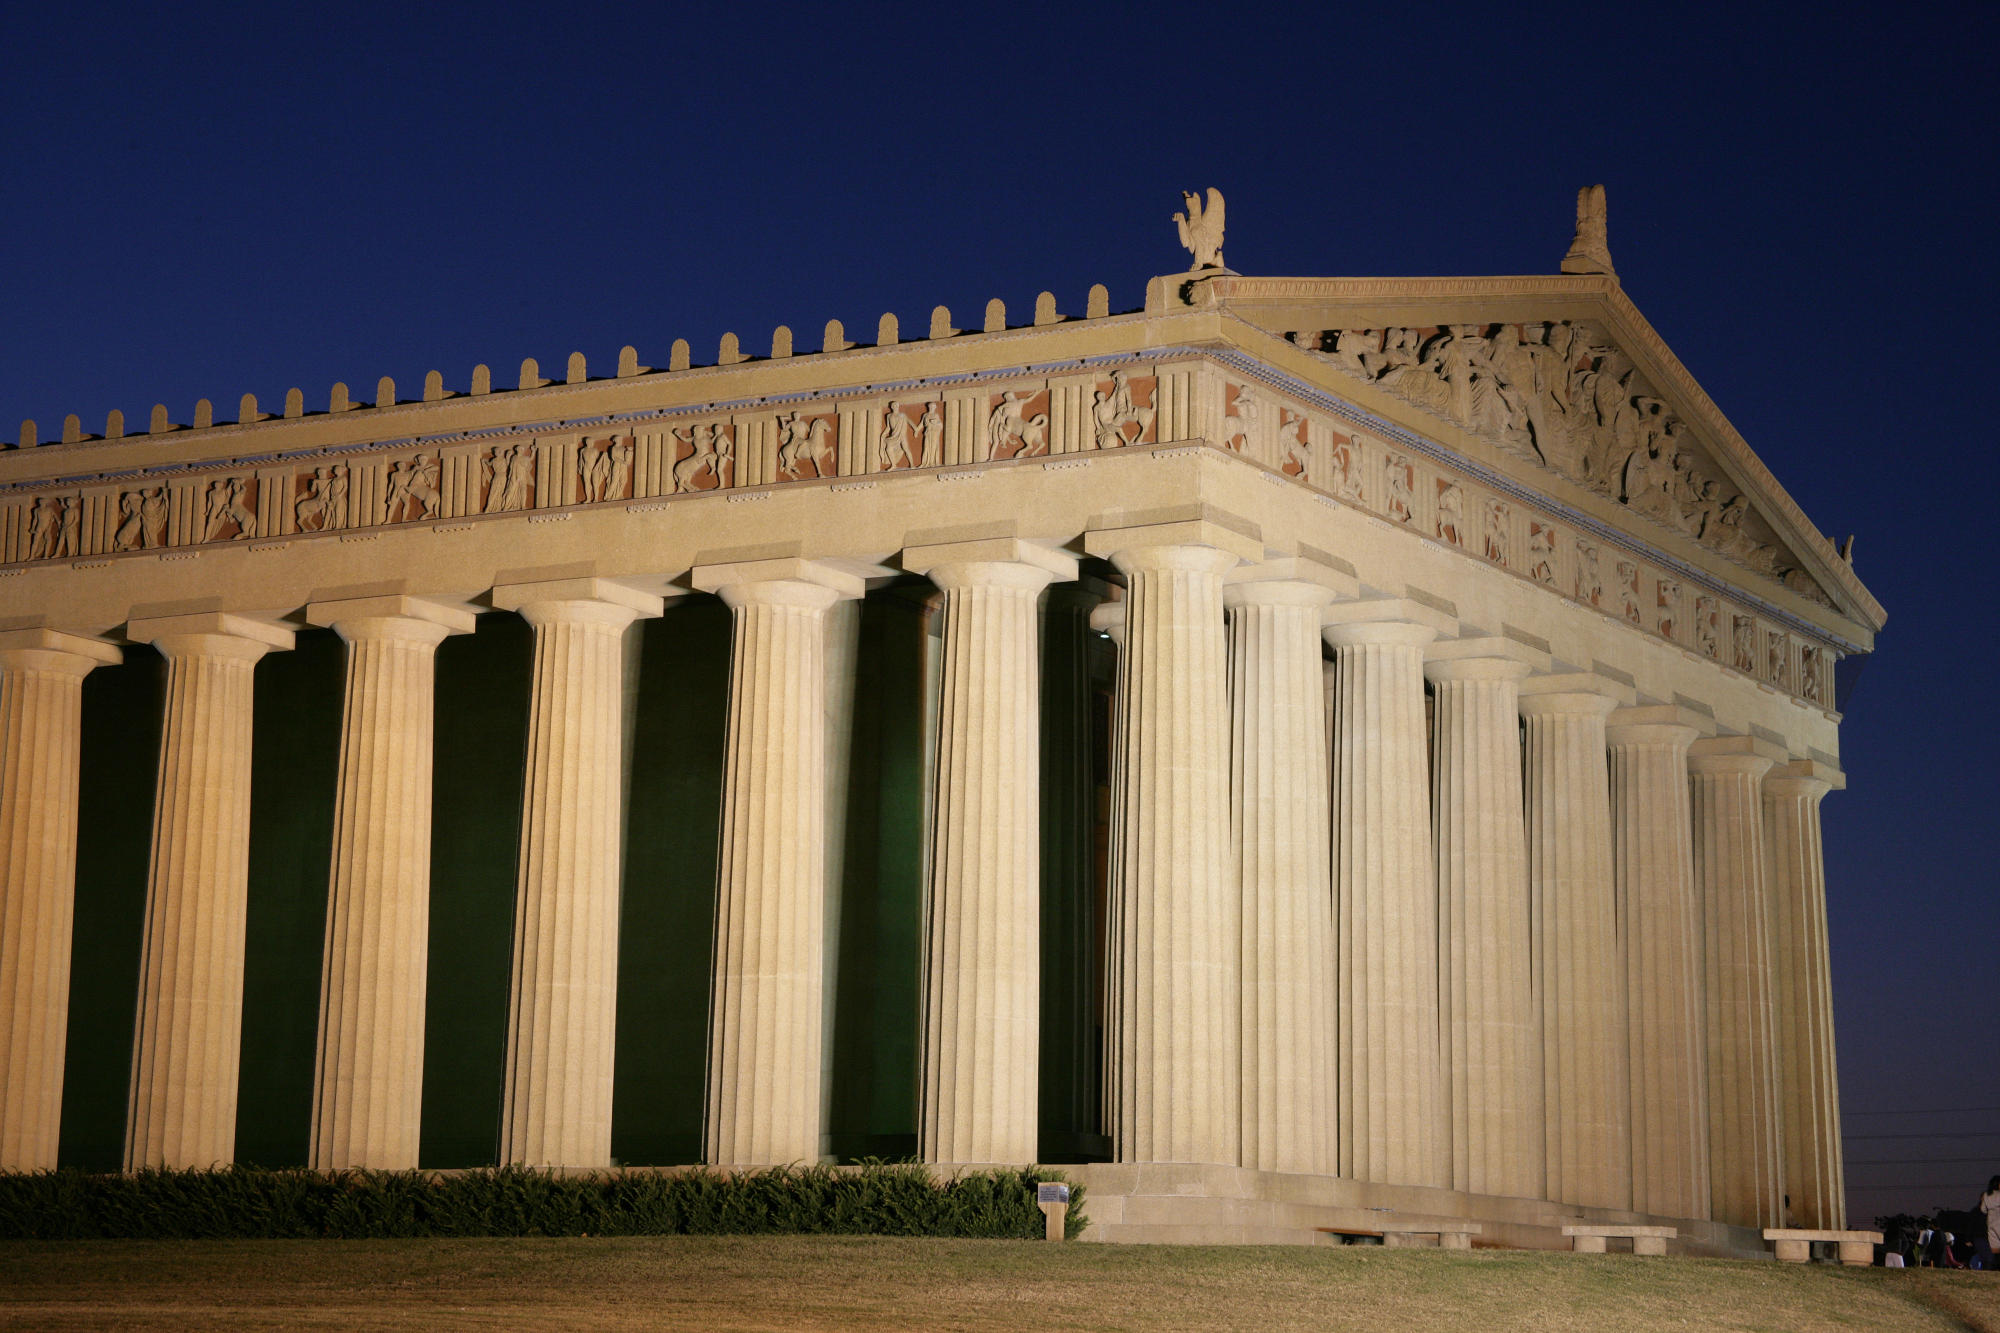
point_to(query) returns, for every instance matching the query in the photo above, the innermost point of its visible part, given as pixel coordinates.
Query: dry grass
(799, 1283)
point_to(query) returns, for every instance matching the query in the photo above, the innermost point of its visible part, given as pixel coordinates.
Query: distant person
(1989, 1204)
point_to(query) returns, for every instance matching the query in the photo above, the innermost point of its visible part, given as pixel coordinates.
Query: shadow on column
(294, 767)
(678, 729)
(120, 756)
(872, 1092)
(1077, 667)
(480, 746)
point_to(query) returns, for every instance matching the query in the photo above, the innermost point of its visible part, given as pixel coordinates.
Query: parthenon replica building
(1303, 748)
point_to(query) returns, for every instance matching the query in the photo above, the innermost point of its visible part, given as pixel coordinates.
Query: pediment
(1578, 386)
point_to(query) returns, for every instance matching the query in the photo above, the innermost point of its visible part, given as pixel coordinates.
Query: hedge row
(251, 1203)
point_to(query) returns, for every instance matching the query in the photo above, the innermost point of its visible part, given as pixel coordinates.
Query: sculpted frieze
(1553, 394)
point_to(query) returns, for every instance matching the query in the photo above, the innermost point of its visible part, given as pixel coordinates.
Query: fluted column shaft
(563, 995)
(1491, 1048)
(1281, 814)
(188, 1035)
(1391, 1097)
(1808, 1084)
(982, 958)
(1745, 1182)
(1579, 969)
(1173, 1068)
(368, 1082)
(41, 727)
(1659, 919)
(765, 1016)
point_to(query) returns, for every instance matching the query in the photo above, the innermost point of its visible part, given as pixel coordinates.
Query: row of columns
(1564, 981)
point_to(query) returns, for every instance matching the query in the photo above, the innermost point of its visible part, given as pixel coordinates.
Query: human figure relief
(1112, 412)
(1809, 671)
(413, 489)
(1780, 653)
(1542, 553)
(1743, 645)
(708, 451)
(1707, 626)
(226, 506)
(804, 443)
(1399, 475)
(1239, 423)
(621, 465)
(324, 505)
(510, 472)
(1306, 340)
(1451, 513)
(153, 514)
(1497, 515)
(1010, 431)
(69, 536)
(1628, 592)
(131, 528)
(1412, 371)
(593, 466)
(44, 523)
(900, 446)
(1346, 472)
(1353, 347)
(1589, 581)
(930, 432)
(1292, 432)
(1666, 604)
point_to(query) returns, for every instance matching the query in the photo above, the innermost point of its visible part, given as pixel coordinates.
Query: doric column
(1281, 811)
(368, 1082)
(1727, 775)
(1391, 1096)
(1579, 969)
(1172, 1072)
(1808, 1087)
(563, 997)
(190, 1024)
(41, 727)
(1491, 1032)
(982, 960)
(1659, 920)
(765, 1028)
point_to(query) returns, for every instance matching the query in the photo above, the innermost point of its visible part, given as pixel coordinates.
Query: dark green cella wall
(677, 687)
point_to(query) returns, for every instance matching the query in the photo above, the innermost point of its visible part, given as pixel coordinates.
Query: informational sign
(1051, 1194)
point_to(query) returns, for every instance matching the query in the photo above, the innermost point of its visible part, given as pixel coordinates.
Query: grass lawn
(796, 1283)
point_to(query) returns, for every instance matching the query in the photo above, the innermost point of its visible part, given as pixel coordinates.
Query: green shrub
(879, 1199)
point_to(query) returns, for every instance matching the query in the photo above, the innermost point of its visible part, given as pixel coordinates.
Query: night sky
(1801, 201)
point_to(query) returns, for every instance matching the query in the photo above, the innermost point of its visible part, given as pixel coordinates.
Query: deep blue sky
(1802, 201)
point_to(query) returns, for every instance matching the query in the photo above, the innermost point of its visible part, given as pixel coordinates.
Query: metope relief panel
(604, 469)
(1541, 553)
(1122, 412)
(807, 448)
(507, 478)
(1017, 424)
(1399, 487)
(911, 433)
(704, 457)
(1295, 445)
(321, 497)
(1450, 508)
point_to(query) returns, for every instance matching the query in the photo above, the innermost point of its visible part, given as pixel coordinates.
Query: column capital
(210, 633)
(997, 561)
(1400, 620)
(1804, 777)
(55, 650)
(1484, 657)
(790, 578)
(586, 598)
(392, 617)
(1226, 539)
(1292, 580)
(1583, 692)
(1656, 724)
(1108, 619)
(1734, 754)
